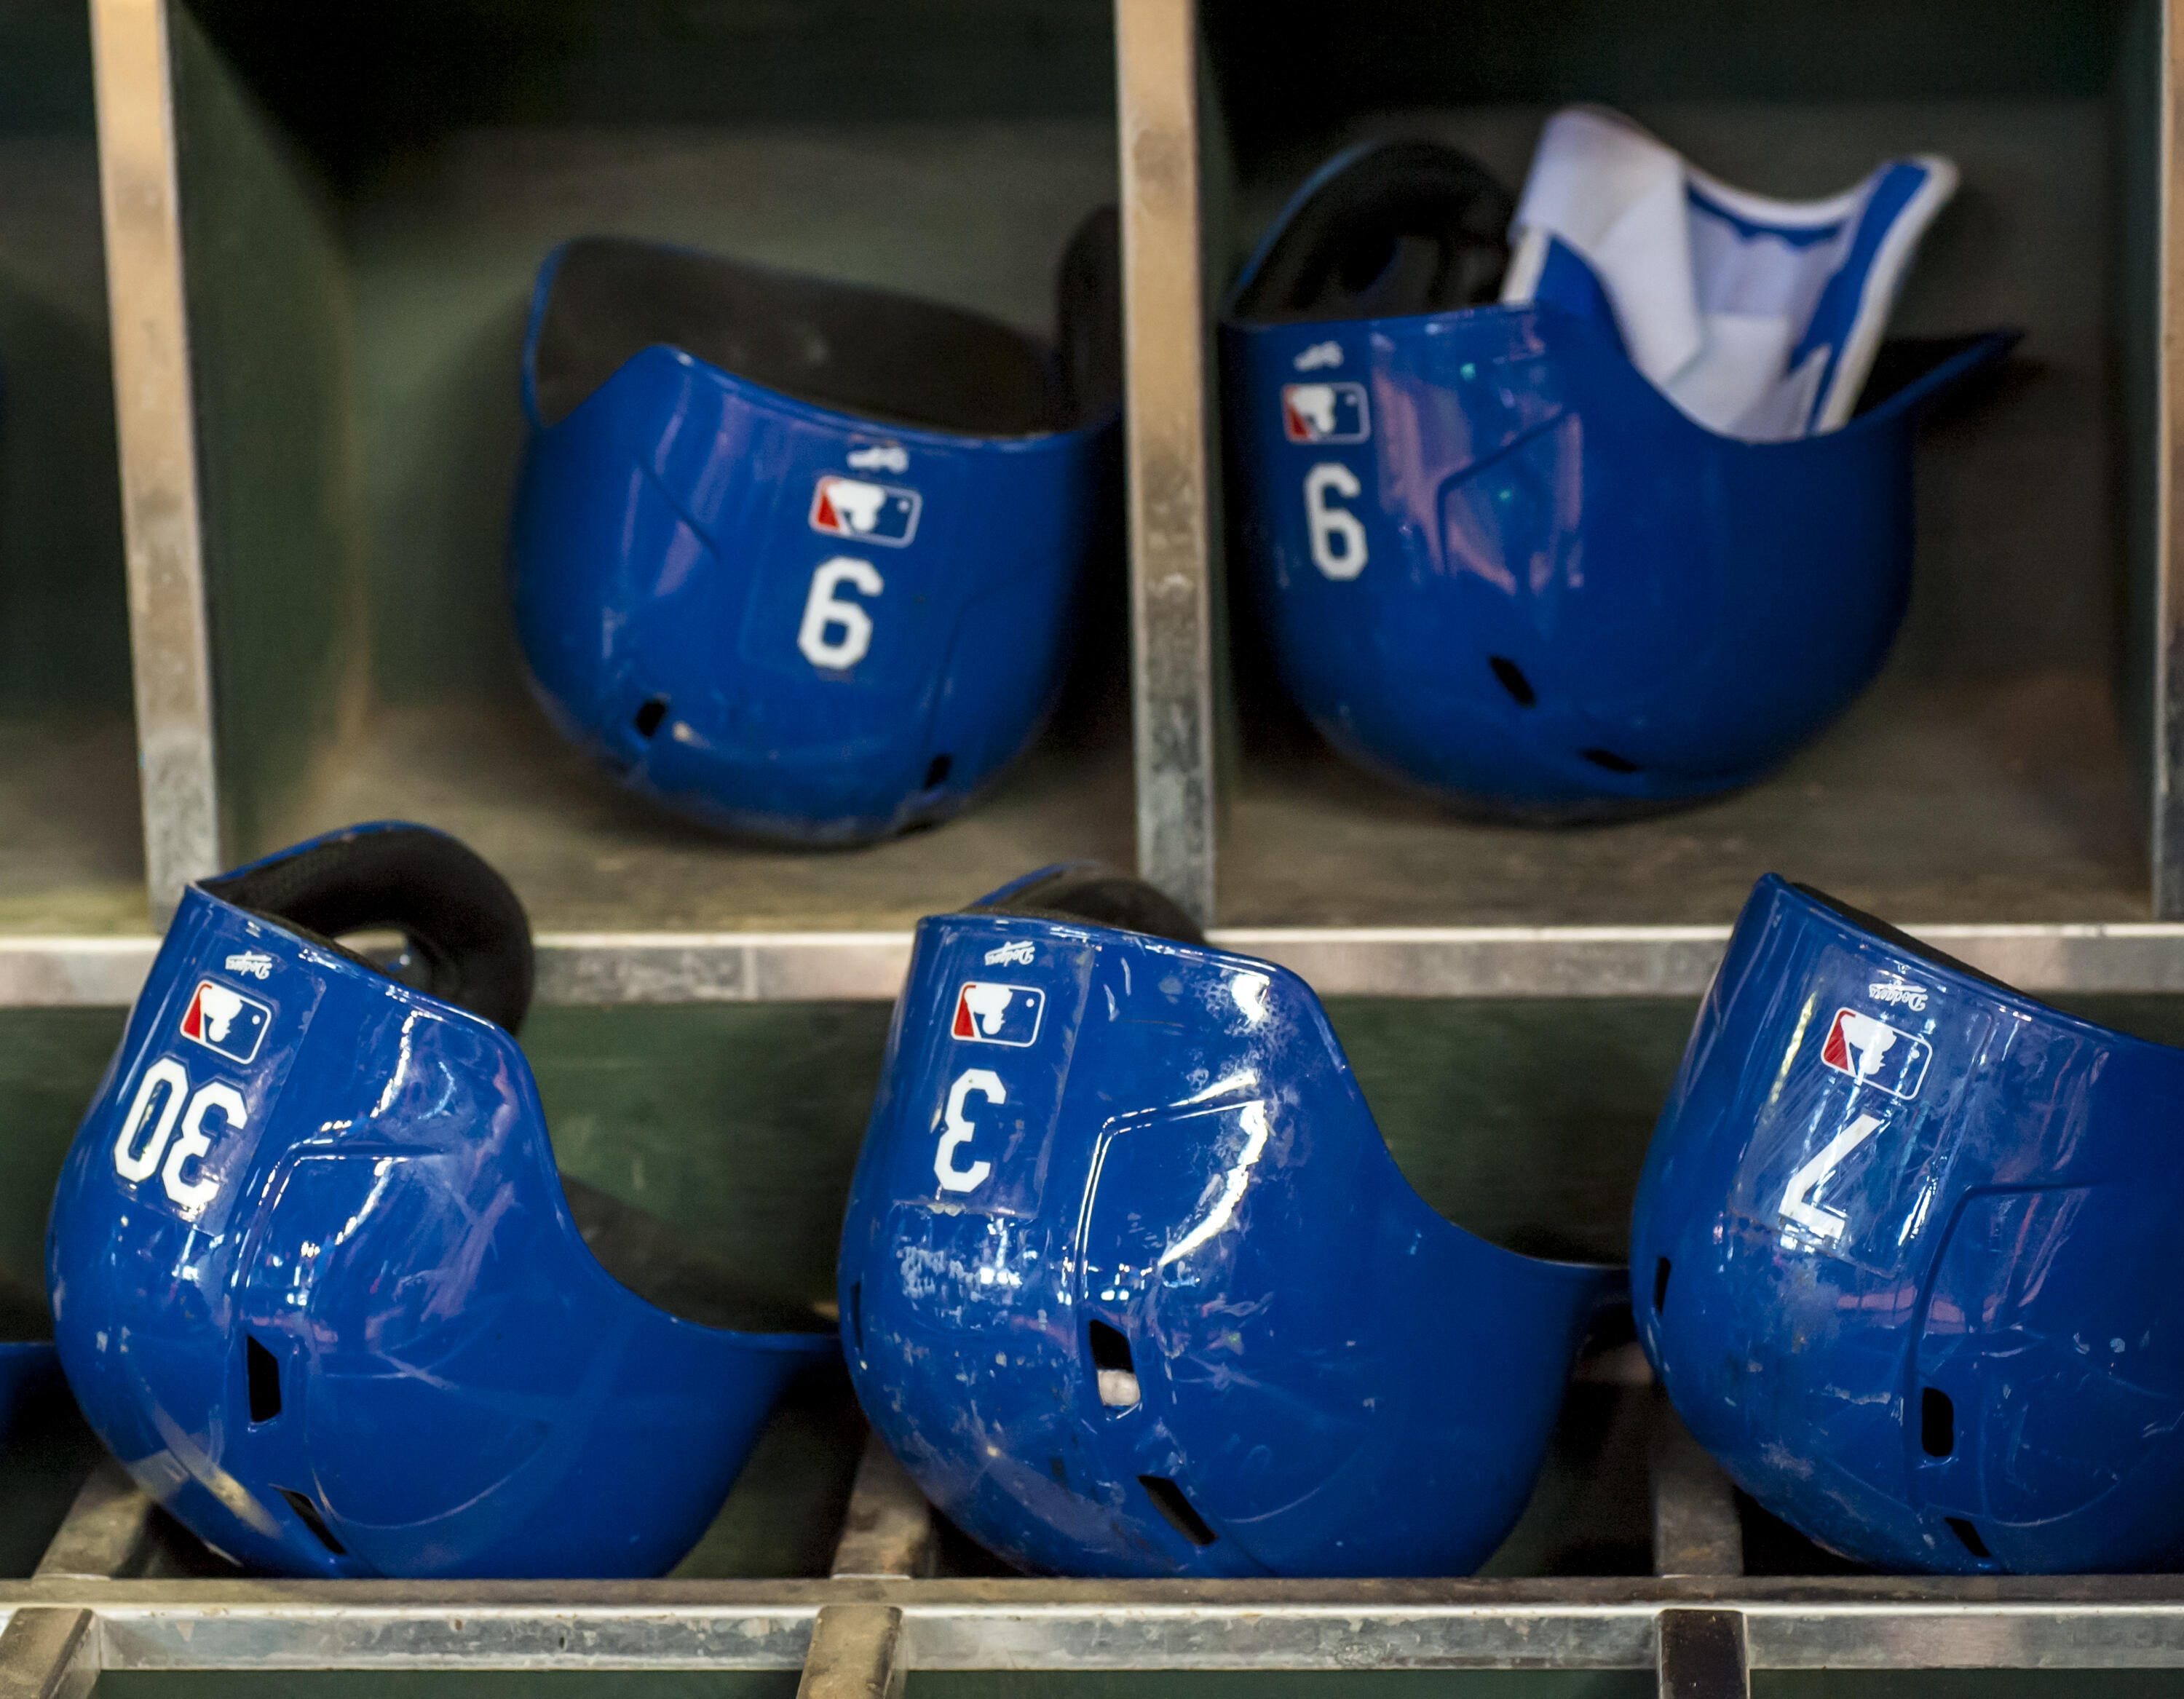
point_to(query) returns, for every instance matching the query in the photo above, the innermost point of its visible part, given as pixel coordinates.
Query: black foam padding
(872, 353)
(461, 919)
(1406, 227)
(664, 1269)
(1089, 891)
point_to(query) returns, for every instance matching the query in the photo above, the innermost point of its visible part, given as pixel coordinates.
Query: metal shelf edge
(580, 969)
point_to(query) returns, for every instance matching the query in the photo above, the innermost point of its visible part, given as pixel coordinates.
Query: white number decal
(168, 1073)
(1796, 1197)
(194, 1196)
(823, 613)
(1330, 524)
(134, 1165)
(987, 1084)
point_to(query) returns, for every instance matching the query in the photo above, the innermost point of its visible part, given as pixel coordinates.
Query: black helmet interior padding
(880, 356)
(1089, 891)
(461, 919)
(1405, 227)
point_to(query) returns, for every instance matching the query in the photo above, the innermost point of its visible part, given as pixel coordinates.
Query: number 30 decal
(958, 1131)
(1338, 537)
(169, 1084)
(824, 614)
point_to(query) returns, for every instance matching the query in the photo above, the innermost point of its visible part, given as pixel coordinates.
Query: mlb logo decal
(990, 1014)
(1875, 1054)
(885, 514)
(1325, 413)
(225, 1019)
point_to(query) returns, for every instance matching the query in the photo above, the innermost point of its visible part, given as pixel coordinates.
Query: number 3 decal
(987, 1084)
(134, 1165)
(1331, 525)
(824, 613)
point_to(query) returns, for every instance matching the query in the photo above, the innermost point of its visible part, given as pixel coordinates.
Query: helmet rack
(2015, 817)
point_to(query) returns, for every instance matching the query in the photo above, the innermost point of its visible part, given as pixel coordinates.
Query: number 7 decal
(987, 1084)
(1797, 1203)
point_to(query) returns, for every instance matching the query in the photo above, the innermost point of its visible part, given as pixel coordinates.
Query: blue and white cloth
(1759, 318)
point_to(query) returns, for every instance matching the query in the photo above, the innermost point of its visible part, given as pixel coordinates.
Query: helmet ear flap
(460, 916)
(1093, 891)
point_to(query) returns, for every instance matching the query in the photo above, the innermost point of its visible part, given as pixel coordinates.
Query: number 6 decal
(824, 612)
(987, 1084)
(1331, 525)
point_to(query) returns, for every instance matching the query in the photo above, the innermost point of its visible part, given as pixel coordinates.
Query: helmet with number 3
(1904, 1248)
(1132, 1285)
(1493, 555)
(798, 558)
(317, 1284)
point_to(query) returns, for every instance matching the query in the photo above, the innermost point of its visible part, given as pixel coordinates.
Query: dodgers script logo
(1873, 1053)
(1325, 413)
(885, 514)
(990, 1014)
(224, 1020)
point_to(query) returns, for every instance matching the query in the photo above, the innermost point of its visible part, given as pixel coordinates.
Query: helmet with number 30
(1132, 1285)
(798, 558)
(317, 1284)
(1905, 1253)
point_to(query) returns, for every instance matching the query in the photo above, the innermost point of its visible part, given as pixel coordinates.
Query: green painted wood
(273, 373)
(51, 1061)
(71, 856)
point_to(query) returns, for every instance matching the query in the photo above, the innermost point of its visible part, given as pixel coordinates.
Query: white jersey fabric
(1759, 318)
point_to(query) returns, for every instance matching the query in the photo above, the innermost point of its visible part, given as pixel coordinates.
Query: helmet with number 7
(1132, 1285)
(1905, 1253)
(316, 1282)
(798, 558)
(1497, 557)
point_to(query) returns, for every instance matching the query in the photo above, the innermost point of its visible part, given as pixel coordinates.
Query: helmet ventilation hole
(1937, 1425)
(1608, 760)
(1969, 1535)
(307, 1514)
(1167, 1499)
(1661, 1271)
(650, 715)
(1111, 1361)
(1513, 680)
(937, 773)
(262, 1370)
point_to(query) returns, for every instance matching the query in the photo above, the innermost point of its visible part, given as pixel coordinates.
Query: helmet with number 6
(798, 558)
(1566, 554)
(1905, 1255)
(317, 1284)
(1132, 1285)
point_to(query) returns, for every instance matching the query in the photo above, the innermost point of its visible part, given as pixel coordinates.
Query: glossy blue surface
(462, 1391)
(1924, 1309)
(1532, 582)
(665, 548)
(1166, 1141)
